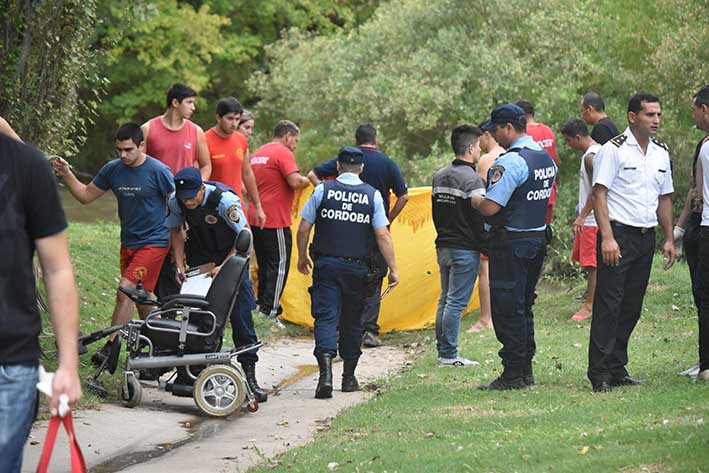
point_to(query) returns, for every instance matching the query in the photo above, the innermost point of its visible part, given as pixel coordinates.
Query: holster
(377, 267)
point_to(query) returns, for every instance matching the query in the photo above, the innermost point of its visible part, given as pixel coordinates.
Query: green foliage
(44, 61)
(418, 68)
(158, 43)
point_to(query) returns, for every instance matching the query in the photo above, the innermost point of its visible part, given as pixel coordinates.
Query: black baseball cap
(188, 182)
(506, 113)
(350, 155)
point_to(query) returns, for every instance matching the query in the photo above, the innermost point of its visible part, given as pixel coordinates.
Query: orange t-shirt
(227, 156)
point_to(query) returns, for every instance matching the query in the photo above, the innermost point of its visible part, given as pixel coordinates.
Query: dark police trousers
(618, 301)
(242, 323)
(337, 296)
(515, 266)
(703, 291)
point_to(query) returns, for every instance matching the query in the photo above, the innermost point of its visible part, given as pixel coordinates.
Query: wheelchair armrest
(186, 300)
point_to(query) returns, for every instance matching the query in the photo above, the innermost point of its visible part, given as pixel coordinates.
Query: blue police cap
(188, 182)
(503, 114)
(350, 155)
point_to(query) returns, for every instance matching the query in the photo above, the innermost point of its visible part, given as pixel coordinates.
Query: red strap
(78, 465)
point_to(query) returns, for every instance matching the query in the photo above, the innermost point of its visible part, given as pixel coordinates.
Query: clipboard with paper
(197, 280)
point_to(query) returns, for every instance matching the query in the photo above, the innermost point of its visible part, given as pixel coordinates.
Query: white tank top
(704, 156)
(585, 186)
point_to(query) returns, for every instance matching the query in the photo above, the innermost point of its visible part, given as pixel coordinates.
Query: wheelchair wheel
(219, 390)
(134, 391)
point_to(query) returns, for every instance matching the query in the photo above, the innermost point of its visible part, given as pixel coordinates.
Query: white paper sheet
(198, 285)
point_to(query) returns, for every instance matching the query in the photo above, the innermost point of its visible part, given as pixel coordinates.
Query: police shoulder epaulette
(619, 140)
(660, 144)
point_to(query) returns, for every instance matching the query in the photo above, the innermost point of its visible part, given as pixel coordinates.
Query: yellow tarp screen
(412, 304)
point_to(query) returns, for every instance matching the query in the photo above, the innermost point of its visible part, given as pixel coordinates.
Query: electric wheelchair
(184, 332)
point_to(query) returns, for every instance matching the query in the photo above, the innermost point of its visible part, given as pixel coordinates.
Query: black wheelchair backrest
(225, 287)
(243, 242)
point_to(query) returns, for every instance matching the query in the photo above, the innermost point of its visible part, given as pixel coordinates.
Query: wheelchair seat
(169, 339)
(164, 332)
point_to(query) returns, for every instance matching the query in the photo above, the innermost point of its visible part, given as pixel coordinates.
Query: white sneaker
(704, 375)
(454, 362)
(691, 372)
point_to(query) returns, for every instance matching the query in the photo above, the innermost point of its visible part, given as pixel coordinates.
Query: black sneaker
(371, 340)
(601, 387)
(502, 384)
(625, 381)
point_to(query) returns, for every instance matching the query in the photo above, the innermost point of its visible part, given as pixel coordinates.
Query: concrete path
(167, 433)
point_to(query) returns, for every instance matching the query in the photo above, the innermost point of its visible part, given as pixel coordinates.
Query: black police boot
(250, 372)
(324, 389)
(349, 382)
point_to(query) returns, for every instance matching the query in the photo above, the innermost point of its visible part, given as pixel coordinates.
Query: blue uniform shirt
(310, 210)
(516, 173)
(176, 219)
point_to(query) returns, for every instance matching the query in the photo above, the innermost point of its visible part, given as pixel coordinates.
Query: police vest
(343, 226)
(209, 238)
(527, 206)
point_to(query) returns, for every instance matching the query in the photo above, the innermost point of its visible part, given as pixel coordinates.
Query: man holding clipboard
(214, 215)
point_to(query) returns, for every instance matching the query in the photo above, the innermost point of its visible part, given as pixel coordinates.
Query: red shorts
(584, 251)
(143, 264)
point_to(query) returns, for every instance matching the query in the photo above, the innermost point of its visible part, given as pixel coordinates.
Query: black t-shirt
(457, 223)
(30, 209)
(604, 130)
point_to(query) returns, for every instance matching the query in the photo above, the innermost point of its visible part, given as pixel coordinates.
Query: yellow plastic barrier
(409, 306)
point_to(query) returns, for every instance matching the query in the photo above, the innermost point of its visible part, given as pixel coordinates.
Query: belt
(524, 234)
(642, 230)
(347, 259)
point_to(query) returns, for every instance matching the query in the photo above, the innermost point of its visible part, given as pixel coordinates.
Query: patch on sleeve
(232, 213)
(619, 140)
(496, 173)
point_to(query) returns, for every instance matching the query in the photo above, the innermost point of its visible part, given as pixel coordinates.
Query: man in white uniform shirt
(577, 137)
(632, 192)
(700, 113)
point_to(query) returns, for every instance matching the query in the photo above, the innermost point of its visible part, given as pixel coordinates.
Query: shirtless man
(492, 150)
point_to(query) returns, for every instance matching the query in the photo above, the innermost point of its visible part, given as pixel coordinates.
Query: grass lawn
(435, 420)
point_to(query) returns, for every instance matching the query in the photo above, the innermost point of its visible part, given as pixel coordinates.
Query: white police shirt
(634, 180)
(704, 156)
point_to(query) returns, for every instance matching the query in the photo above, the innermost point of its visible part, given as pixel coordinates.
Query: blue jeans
(459, 269)
(515, 267)
(337, 296)
(18, 397)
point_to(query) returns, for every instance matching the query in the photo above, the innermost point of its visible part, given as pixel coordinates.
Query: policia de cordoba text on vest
(346, 214)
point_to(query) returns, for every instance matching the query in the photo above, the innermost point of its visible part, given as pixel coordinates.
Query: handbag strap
(78, 465)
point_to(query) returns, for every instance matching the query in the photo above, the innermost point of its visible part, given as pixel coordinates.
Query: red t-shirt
(271, 164)
(227, 158)
(544, 137)
(177, 149)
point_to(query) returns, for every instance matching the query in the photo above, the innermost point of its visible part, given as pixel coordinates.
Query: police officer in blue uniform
(214, 217)
(349, 220)
(514, 207)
